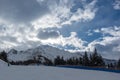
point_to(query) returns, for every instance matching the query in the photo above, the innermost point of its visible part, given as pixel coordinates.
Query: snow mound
(2, 63)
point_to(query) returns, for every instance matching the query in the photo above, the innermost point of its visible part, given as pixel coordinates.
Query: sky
(73, 25)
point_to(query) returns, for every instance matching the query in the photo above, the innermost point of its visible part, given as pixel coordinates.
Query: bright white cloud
(61, 14)
(113, 31)
(12, 35)
(89, 33)
(96, 30)
(72, 41)
(16, 18)
(16, 37)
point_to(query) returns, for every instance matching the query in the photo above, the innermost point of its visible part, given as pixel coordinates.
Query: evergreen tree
(59, 61)
(118, 64)
(76, 61)
(62, 61)
(85, 59)
(73, 61)
(70, 61)
(91, 59)
(56, 60)
(80, 61)
(96, 60)
(111, 65)
(3, 56)
(100, 61)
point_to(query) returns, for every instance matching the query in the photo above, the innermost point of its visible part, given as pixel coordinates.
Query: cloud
(6, 45)
(61, 14)
(108, 45)
(70, 41)
(12, 36)
(73, 41)
(113, 31)
(26, 36)
(116, 5)
(29, 23)
(86, 14)
(89, 33)
(43, 34)
(96, 30)
(21, 11)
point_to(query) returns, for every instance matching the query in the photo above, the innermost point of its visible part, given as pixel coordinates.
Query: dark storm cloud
(21, 10)
(48, 34)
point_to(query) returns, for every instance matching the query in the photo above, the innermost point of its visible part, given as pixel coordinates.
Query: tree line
(91, 60)
(94, 59)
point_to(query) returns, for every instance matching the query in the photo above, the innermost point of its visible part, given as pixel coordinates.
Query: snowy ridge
(43, 50)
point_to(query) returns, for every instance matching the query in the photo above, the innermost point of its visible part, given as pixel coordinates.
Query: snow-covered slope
(53, 73)
(54, 52)
(43, 50)
(2, 63)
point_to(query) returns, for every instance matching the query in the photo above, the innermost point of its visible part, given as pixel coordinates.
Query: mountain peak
(13, 51)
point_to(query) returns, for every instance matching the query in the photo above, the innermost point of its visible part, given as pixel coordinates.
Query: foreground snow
(53, 73)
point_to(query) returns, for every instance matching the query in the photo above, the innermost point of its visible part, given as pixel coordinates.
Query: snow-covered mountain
(44, 51)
